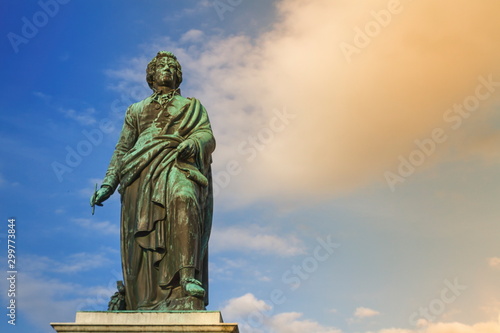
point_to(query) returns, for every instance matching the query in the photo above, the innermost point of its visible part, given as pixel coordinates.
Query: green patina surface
(161, 168)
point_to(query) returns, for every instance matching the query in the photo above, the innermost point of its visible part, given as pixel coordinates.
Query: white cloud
(83, 262)
(85, 117)
(292, 322)
(241, 306)
(256, 316)
(47, 299)
(44, 300)
(451, 327)
(59, 211)
(190, 11)
(260, 277)
(363, 312)
(255, 239)
(74, 263)
(395, 330)
(133, 72)
(103, 227)
(224, 269)
(193, 35)
(4, 182)
(44, 97)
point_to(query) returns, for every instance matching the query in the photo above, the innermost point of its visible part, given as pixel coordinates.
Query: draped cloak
(167, 202)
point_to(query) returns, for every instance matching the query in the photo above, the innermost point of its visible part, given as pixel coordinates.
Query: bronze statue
(162, 166)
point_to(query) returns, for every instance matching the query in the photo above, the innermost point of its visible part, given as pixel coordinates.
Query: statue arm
(204, 140)
(128, 137)
(200, 143)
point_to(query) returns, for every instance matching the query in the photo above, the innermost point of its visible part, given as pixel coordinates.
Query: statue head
(162, 60)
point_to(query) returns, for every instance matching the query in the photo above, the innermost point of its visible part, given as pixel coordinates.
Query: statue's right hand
(100, 196)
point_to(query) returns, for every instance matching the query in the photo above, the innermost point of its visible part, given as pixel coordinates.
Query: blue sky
(356, 166)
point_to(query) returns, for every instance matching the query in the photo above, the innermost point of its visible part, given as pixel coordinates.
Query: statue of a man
(162, 165)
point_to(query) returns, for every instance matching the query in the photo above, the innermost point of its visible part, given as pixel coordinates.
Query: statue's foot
(193, 287)
(186, 303)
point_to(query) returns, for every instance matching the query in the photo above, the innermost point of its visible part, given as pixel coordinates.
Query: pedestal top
(149, 317)
(147, 322)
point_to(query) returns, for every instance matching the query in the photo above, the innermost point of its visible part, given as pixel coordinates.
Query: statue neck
(163, 90)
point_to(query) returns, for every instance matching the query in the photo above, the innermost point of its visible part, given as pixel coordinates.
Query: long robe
(167, 202)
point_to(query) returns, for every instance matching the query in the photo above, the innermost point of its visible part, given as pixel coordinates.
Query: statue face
(165, 73)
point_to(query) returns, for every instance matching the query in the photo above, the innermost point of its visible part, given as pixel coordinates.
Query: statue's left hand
(186, 149)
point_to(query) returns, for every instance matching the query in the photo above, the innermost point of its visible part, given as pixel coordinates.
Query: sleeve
(128, 137)
(204, 139)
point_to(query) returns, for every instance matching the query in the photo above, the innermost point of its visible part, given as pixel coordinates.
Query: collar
(164, 99)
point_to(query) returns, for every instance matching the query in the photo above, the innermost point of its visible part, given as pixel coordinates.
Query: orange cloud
(348, 118)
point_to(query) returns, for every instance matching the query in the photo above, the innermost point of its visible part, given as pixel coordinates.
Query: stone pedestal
(147, 322)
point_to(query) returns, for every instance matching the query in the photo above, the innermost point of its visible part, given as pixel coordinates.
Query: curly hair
(151, 69)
